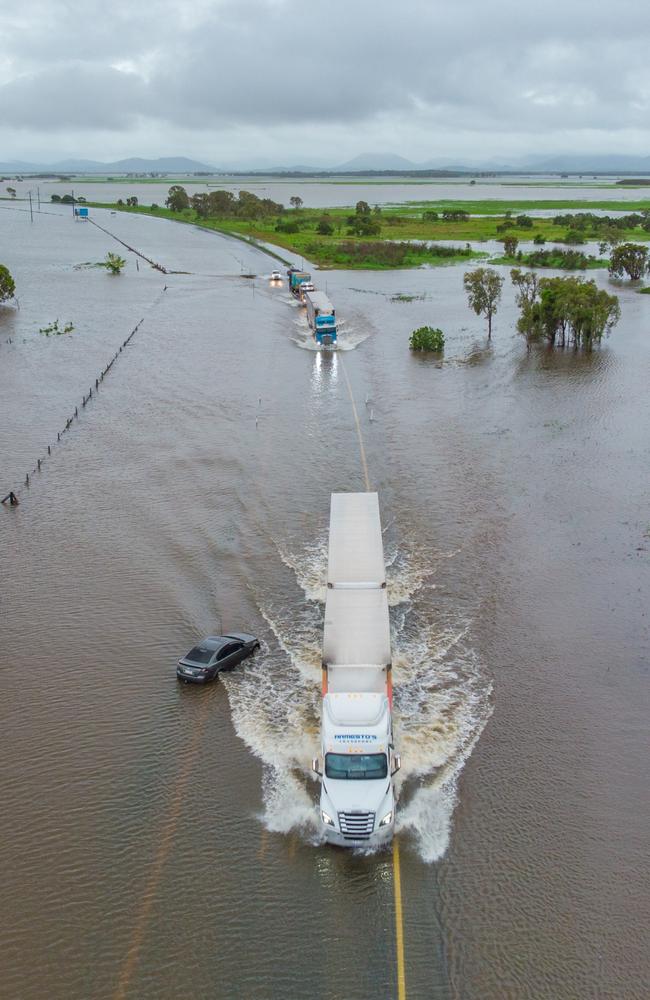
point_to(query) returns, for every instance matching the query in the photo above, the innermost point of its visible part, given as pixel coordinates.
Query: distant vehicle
(214, 654)
(296, 279)
(276, 276)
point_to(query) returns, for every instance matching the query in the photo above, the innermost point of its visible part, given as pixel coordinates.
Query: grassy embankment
(401, 225)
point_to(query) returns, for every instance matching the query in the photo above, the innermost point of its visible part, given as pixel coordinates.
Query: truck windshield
(359, 767)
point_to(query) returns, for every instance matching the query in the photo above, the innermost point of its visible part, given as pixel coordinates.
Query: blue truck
(321, 316)
(296, 280)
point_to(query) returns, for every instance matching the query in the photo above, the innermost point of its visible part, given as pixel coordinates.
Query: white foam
(442, 700)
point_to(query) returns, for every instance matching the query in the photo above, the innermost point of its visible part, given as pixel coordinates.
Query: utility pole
(31, 213)
(72, 203)
(38, 192)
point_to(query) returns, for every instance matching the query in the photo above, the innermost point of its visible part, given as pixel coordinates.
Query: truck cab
(357, 807)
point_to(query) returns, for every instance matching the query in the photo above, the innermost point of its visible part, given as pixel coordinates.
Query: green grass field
(399, 224)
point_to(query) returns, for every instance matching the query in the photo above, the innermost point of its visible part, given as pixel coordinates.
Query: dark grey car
(214, 654)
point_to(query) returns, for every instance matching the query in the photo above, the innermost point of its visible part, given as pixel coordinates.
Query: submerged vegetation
(561, 260)
(114, 263)
(427, 338)
(7, 284)
(54, 330)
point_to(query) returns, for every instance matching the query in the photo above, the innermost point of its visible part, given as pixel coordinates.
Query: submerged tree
(630, 259)
(483, 287)
(296, 201)
(7, 284)
(510, 244)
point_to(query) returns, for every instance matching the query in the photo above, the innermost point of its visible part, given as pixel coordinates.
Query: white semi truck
(358, 759)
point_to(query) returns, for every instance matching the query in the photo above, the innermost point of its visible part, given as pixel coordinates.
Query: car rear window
(200, 654)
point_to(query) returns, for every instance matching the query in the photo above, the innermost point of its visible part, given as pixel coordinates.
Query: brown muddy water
(159, 841)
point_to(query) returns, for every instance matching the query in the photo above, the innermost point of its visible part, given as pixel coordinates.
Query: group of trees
(364, 222)
(563, 311)
(560, 311)
(68, 199)
(222, 204)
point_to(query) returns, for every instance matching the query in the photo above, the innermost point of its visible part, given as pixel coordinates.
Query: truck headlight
(326, 819)
(387, 818)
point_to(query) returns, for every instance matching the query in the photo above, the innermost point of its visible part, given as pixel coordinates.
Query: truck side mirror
(316, 768)
(397, 763)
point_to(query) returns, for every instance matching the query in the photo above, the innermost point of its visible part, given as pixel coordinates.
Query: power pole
(38, 192)
(31, 213)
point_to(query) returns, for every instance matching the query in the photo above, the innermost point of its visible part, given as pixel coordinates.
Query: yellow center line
(264, 843)
(397, 872)
(164, 848)
(362, 449)
(399, 922)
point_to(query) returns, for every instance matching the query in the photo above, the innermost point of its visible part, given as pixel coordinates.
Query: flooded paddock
(160, 840)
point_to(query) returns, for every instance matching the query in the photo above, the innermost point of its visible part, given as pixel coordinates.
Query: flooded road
(159, 840)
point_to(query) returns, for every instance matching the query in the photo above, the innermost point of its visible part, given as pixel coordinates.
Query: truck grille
(356, 825)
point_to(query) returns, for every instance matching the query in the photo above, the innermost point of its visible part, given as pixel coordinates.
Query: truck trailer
(296, 279)
(322, 318)
(358, 759)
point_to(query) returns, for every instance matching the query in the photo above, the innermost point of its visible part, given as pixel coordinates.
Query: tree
(510, 244)
(362, 208)
(114, 263)
(483, 287)
(11, 191)
(527, 285)
(7, 284)
(133, 201)
(177, 199)
(201, 204)
(296, 201)
(630, 259)
(427, 338)
(325, 227)
(55, 197)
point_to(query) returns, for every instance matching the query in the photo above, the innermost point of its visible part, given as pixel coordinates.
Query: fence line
(11, 497)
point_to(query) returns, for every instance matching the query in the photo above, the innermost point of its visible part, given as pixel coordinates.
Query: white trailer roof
(356, 547)
(320, 301)
(357, 628)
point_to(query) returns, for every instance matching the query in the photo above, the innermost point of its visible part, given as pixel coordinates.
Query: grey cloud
(95, 97)
(467, 66)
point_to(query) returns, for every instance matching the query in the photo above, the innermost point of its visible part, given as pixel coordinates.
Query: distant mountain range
(373, 162)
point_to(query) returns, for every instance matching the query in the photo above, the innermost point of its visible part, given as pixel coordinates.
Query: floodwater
(317, 193)
(159, 841)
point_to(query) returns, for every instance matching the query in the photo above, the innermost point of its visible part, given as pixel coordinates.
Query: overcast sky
(322, 80)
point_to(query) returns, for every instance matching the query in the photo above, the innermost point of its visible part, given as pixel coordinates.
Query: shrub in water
(427, 338)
